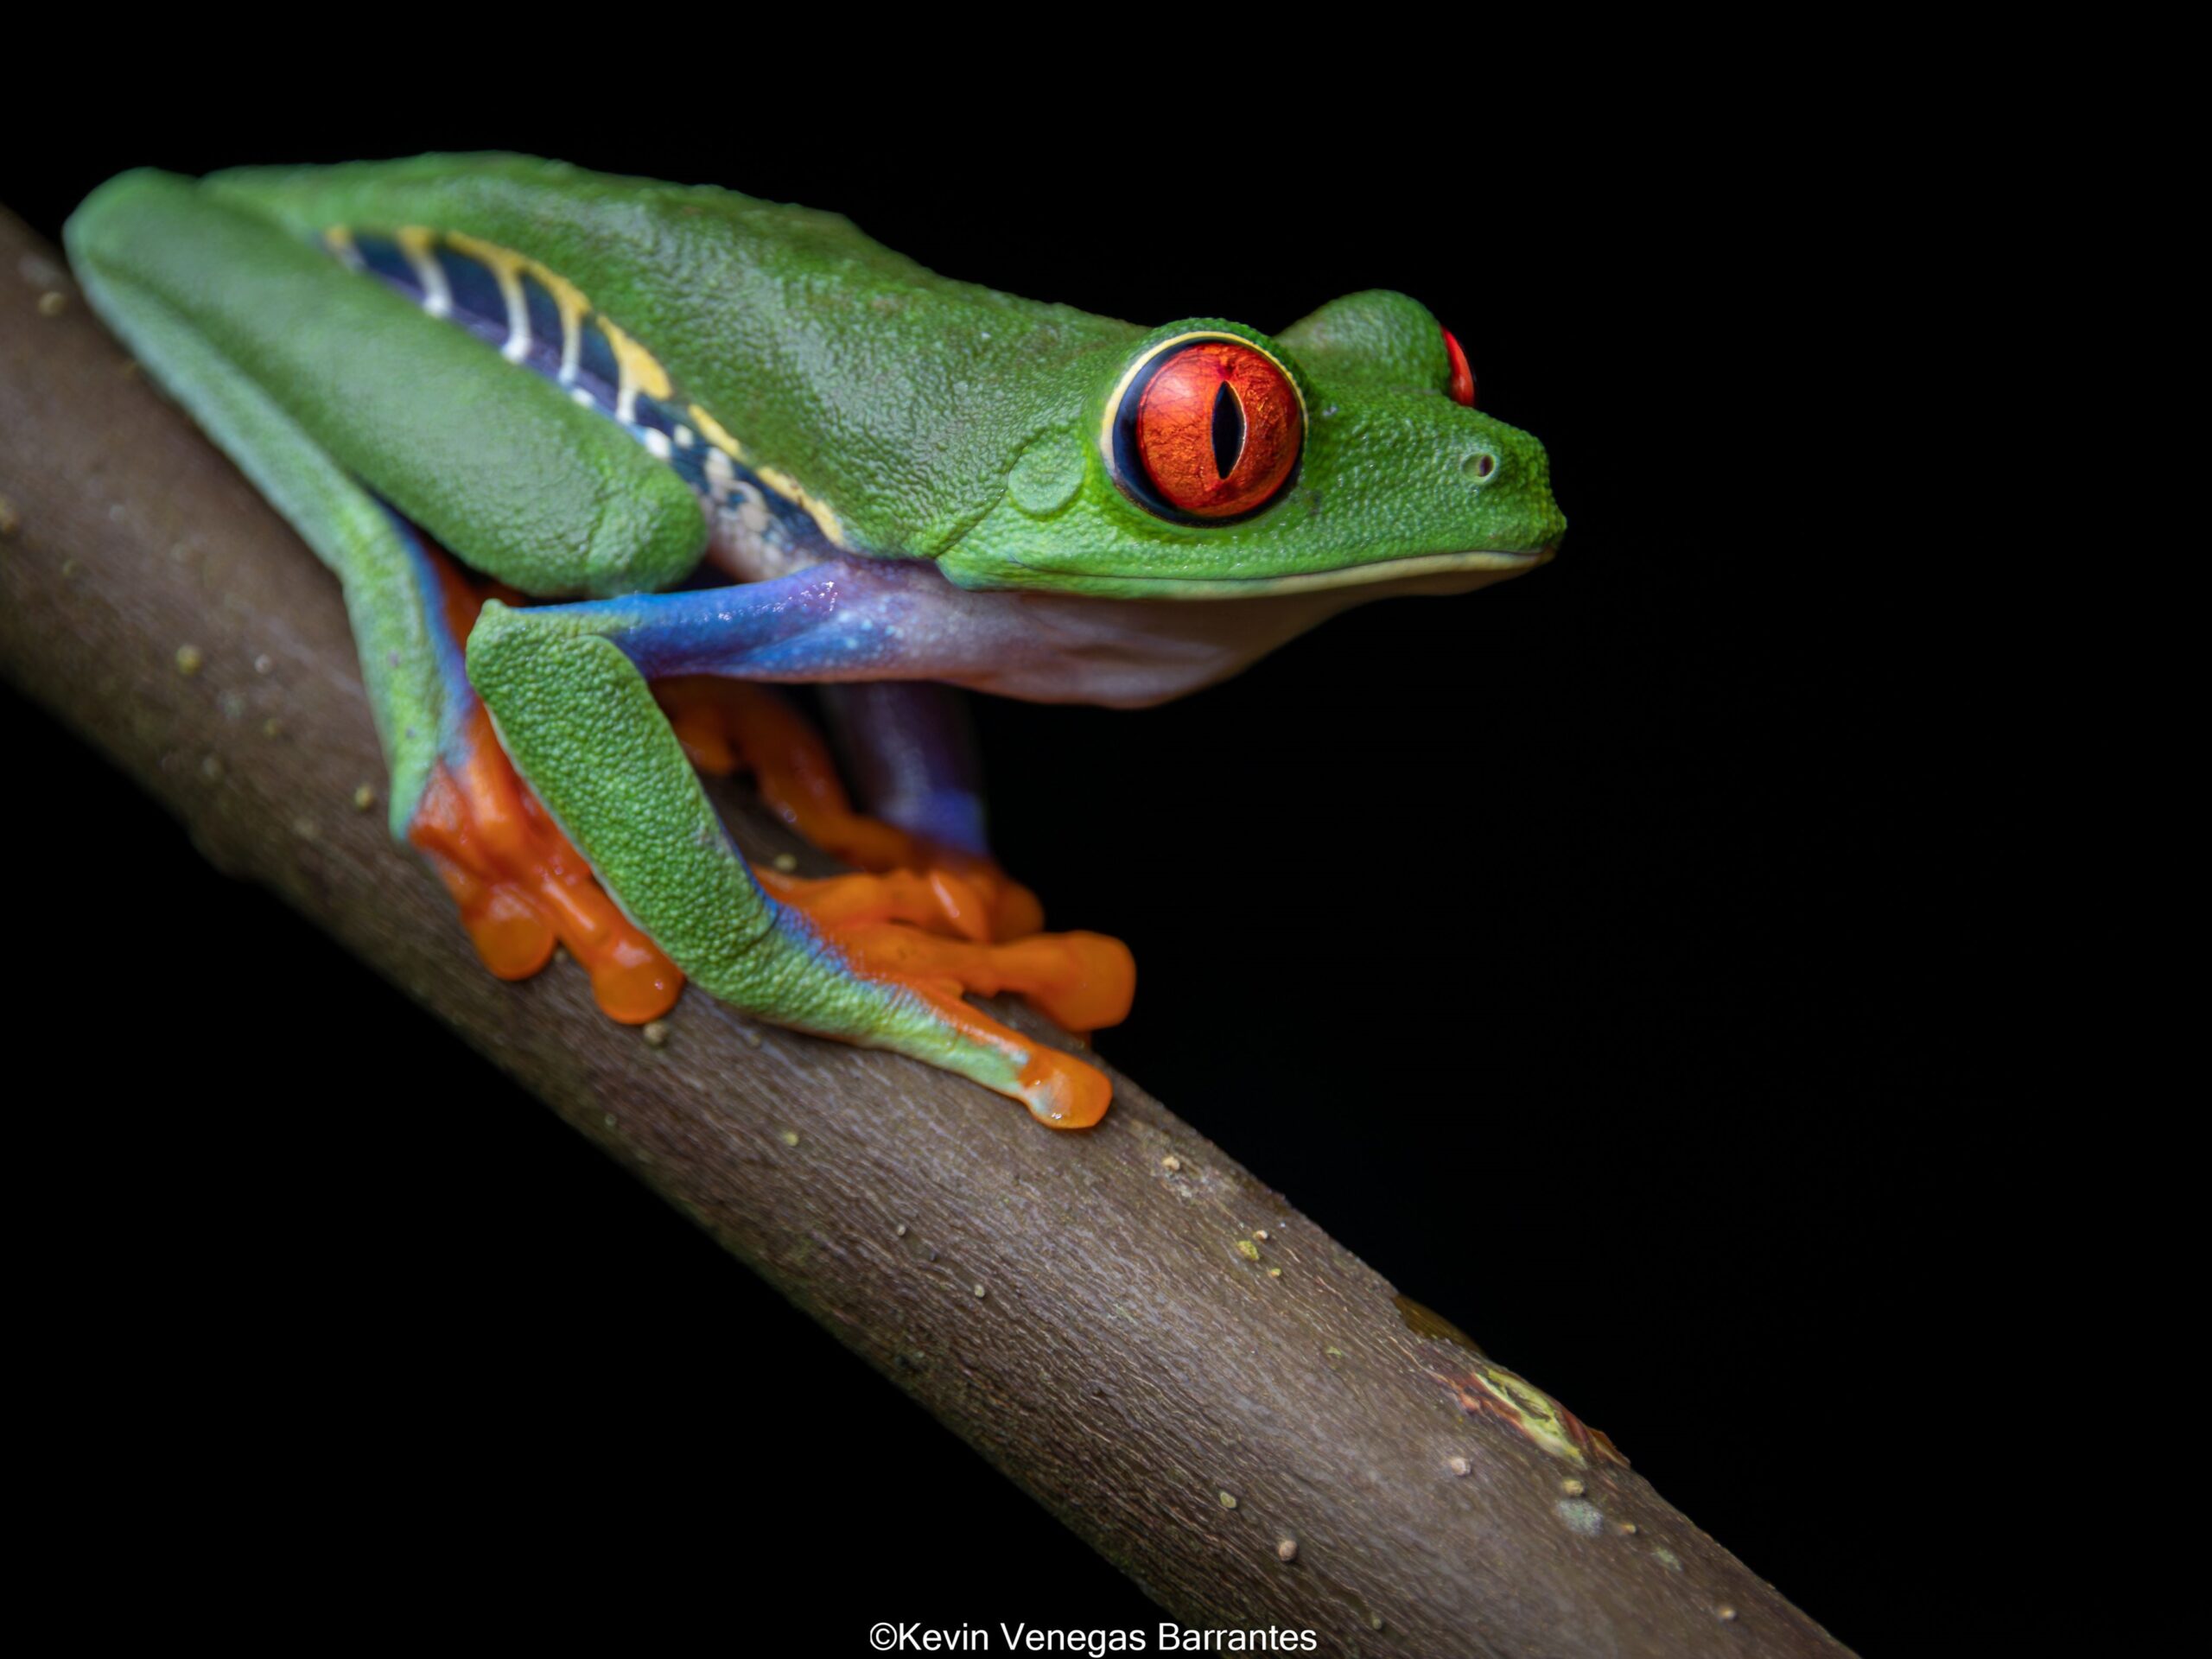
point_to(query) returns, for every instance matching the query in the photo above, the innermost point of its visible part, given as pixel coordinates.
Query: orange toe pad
(521, 888)
(1084, 981)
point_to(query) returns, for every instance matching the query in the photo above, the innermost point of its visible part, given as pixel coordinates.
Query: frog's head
(1209, 461)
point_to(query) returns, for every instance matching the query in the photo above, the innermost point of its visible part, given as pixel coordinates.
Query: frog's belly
(1119, 653)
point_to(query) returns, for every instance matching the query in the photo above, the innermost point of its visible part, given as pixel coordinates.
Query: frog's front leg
(911, 751)
(911, 747)
(575, 712)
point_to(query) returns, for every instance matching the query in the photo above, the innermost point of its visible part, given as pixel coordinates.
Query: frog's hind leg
(521, 887)
(877, 959)
(204, 297)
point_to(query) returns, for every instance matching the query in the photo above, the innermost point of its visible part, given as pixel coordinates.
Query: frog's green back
(897, 396)
(909, 415)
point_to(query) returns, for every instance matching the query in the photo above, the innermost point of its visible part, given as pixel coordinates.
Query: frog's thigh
(409, 663)
(494, 462)
(577, 717)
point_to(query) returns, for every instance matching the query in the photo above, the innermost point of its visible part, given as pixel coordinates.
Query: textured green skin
(347, 530)
(936, 419)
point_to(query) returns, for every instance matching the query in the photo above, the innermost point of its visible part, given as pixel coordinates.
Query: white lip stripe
(1133, 584)
(1426, 564)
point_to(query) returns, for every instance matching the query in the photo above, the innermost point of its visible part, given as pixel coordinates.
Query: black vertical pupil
(1228, 430)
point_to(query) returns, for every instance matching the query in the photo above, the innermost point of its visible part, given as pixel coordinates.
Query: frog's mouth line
(1412, 567)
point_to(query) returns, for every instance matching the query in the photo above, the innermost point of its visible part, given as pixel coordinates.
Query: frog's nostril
(1480, 466)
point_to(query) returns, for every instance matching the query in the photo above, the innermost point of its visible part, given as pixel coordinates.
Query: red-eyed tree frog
(595, 459)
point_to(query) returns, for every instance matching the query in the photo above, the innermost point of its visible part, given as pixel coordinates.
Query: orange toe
(935, 901)
(1060, 1090)
(1016, 912)
(521, 888)
(631, 980)
(514, 936)
(1084, 981)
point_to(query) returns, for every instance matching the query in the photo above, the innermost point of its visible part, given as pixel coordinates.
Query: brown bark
(1167, 1354)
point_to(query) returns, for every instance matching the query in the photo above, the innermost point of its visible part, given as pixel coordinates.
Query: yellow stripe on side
(715, 435)
(506, 267)
(824, 516)
(569, 300)
(640, 370)
(816, 509)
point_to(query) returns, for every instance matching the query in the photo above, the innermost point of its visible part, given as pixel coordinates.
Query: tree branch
(1124, 1321)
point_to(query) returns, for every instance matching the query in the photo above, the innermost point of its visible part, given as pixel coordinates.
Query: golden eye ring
(1205, 429)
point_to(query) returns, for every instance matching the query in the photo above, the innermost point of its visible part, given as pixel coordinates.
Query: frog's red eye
(1463, 377)
(1207, 427)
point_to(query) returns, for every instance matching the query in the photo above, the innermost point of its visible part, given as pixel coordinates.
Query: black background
(1580, 953)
